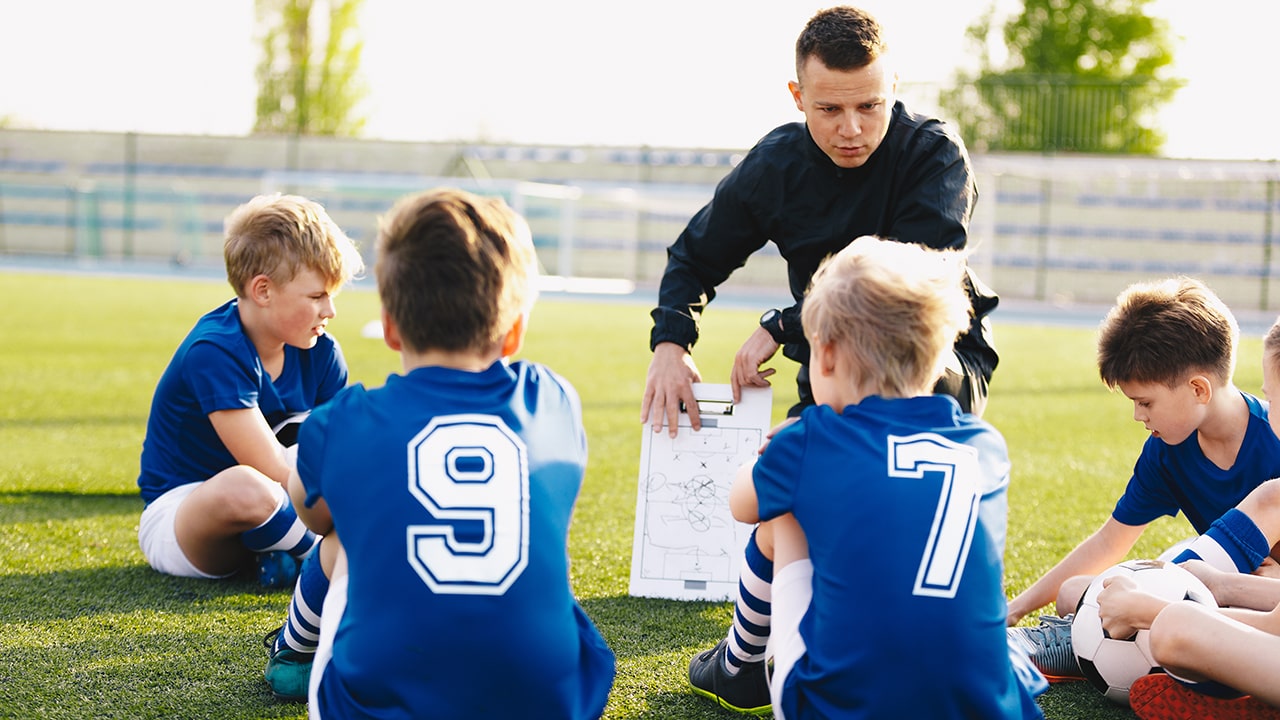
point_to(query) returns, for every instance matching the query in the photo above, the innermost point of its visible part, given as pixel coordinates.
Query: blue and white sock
(282, 531)
(1233, 543)
(302, 628)
(752, 610)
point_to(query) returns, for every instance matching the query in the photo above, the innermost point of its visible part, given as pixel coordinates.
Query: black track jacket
(916, 187)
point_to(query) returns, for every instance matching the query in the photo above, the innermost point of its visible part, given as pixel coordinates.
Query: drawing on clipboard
(687, 544)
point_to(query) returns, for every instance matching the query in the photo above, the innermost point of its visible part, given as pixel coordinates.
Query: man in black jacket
(860, 164)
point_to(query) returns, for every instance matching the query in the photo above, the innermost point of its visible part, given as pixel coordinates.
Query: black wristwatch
(771, 321)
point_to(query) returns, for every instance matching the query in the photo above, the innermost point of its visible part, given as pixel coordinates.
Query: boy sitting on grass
(212, 470)
(1235, 648)
(885, 508)
(450, 490)
(1170, 347)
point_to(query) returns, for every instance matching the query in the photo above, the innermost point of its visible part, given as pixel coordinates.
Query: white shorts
(335, 604)
(159, 540)
(792, 592)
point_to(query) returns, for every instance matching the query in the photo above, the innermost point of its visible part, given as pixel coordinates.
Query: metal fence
(1049, 228)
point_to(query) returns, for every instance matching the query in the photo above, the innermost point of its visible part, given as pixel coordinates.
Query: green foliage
(88, 630)
(309, 80)
(1080, 76)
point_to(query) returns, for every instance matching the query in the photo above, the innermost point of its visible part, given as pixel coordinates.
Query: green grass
(88, 630)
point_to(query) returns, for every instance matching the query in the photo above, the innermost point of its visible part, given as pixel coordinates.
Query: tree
(1080, 76)
(308, 80)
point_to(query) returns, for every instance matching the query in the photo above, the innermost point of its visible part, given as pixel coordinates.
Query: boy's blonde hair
(1271, 345)
(893, 309)
(279, 235)
(1160, 332)
(455, 270)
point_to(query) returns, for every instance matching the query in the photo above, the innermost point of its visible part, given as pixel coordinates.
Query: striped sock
(282, 531)
(751, 612)
(302, 628)
(1232, 544)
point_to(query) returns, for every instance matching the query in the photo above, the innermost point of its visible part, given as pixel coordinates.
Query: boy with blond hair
(1170, 347)
(450, 490)
(885, 501)
(212, 470)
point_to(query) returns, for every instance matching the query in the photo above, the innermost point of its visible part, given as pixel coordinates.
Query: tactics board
(687, 545)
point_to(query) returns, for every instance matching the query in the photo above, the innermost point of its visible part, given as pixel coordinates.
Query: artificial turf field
(87, 629)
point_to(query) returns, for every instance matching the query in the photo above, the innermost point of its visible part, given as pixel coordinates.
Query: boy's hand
(1209, 575)
(1124, 609)
(774, 431)
(1268, 568)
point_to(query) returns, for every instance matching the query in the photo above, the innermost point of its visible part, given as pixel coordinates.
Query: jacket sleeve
(937, 191)
(715, 243)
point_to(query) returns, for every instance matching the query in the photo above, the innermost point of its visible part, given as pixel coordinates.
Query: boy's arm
(246, 434)
(743, 502)
(1104, 548)
(316, 517)
(1254, 592)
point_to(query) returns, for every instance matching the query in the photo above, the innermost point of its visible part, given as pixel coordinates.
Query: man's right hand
(672, 373)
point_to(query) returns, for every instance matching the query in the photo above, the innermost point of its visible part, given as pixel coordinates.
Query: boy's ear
(1202, 388)
(514, 339)
(391, 332)
(258, 289)
(824, 353)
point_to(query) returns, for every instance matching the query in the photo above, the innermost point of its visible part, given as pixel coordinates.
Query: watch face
(768, 316)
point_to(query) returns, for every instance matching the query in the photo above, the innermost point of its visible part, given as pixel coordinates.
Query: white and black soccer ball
(1109, 664)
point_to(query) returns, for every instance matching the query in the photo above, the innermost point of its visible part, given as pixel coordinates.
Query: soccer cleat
(1160, 697)
(277, 570)
(746, 692)
(288, 671)
(1049, 647)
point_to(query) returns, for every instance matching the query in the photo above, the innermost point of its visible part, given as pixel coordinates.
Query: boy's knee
(764, 540)
(1172, 634)
(241, 494)
(1069, 594)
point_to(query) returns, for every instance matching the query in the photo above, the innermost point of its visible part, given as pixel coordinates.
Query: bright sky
(699, 73)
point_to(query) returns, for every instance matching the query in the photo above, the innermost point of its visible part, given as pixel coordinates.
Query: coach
(860, 164)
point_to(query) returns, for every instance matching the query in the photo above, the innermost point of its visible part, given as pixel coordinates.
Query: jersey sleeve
(1147, 495)
(778, 470)
(218, 379)
(333, 374)
(314, 438)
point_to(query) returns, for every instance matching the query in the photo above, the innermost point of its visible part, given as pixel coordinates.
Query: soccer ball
(1109, 664)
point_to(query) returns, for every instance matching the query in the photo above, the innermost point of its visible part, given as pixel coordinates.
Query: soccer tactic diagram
(687, 544)
(1112, 664)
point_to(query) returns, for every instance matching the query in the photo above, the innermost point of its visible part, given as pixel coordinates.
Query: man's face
(847, 111)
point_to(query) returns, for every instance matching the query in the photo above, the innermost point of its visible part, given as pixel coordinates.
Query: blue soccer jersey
(452, 493)
(1171, 478)
(903, 504)
(217, 368)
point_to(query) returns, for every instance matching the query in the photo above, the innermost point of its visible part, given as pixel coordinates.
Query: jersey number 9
(469, 470)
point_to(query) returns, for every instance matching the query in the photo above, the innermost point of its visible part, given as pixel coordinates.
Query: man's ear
(514, 338)
(794, 87)
(391, 332)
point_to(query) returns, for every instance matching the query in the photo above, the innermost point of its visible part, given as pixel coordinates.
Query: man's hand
(756, 351)
(670, 383)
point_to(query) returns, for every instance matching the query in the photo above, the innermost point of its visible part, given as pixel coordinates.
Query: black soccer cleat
(746, 692)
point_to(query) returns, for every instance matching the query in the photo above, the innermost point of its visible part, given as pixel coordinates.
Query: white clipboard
(687, 545)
